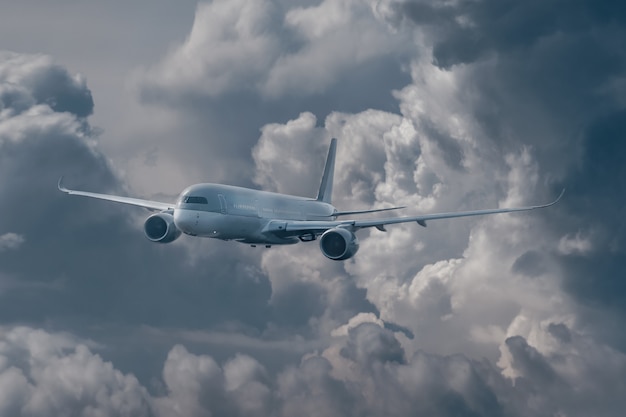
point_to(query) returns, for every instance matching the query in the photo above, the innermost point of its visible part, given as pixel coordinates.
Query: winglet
(60, 185)
(554, 202)
(559, 197)
(326, 186)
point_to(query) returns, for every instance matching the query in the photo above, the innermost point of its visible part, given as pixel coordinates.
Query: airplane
(259, 217)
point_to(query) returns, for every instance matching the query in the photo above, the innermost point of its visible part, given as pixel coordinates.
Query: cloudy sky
(439, 106)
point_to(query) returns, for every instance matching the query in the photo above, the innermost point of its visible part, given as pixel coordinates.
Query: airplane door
(222, 203)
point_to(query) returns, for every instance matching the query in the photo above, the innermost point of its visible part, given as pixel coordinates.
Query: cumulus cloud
(198, 386)
(379, 380)
(511, 315)
(291, 175)
(479, 286)
(257, 64)
(9, 241)
(48, 83)
(44, 373)
(88, 261)
(336, 38)
(228, 49)
(576, 244)
(241, 46)
(38, 145)
(365, 373)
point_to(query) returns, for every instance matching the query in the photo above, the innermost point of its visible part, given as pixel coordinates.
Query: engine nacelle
(339, 244)
(160, 228)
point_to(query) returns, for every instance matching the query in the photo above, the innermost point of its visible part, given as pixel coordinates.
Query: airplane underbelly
(237, 227)
(216, 225)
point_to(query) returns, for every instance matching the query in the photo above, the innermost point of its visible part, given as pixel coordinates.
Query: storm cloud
(439, 107)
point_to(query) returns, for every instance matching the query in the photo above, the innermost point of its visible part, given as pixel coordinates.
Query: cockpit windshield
(191, 199)
(207, 202)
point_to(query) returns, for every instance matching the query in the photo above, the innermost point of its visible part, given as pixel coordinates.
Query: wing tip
(558, 198)
(60, 185)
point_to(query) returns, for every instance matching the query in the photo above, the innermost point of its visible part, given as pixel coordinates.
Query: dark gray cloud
(553, 62)
(595, 277)
(468, 31)
(46, 83)
(529, 362)
(530, 80)
(546, 75)
(62, 93)
(95, 274)
(48, 371)
(560, 331)
(74, 261)
(515, 100)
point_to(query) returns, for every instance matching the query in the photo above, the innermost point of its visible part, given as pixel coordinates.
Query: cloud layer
(366, 373)
(271, 48)
(437, 107)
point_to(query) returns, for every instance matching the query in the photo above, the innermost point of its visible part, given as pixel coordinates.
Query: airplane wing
(295, 228)
(151, 205)
(348, 213)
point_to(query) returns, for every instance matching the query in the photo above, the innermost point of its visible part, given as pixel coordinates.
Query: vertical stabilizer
(325, 193)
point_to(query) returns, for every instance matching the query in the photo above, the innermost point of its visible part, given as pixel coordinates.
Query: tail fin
(326, 187)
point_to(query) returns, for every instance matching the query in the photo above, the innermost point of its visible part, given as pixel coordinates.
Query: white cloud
(10, 241)
(193, 383)
(434, 281)
(577, 244)
(246, 381)
(337, 37)
(287, 156)
(229, 49)
(354, 322)
(274, 50)
(44, 373)
(365, 372)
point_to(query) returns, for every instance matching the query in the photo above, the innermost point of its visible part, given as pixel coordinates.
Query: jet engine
(160, 228)
(339, 244)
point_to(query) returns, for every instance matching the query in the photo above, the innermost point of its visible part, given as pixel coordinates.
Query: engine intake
(160, 228)
(339, 244)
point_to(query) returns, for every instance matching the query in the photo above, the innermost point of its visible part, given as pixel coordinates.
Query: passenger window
(195, 200)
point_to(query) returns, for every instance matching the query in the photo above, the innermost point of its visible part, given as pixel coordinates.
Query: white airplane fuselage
(234, 213)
